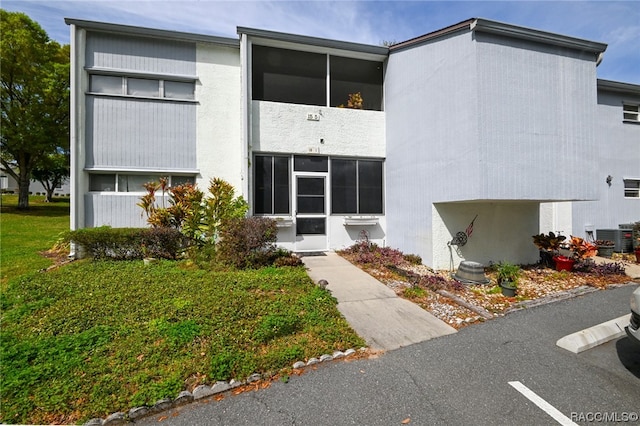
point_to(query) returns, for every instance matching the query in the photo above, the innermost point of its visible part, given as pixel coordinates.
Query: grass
(91, 338)
(23, 234)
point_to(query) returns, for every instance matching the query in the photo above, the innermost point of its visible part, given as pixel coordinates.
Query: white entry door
(311, 212)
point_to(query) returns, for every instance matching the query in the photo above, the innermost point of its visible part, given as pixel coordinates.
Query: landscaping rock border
(204, 391)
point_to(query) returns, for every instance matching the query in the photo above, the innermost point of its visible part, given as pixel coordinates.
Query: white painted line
(544, 405)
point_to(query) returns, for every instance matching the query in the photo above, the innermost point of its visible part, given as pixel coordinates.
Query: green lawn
(92, 338)
(24, 234)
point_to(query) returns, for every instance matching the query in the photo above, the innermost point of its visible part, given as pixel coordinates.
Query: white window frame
(632, 186)
(631, 112)
(116, 175)
(124, 89)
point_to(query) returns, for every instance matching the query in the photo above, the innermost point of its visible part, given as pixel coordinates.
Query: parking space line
(542, 404)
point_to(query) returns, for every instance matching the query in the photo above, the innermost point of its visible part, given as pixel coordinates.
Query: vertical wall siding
(140, 54)
(618, 146)
(431, 133)
(536, 109)
(115, 210)
(131, 133)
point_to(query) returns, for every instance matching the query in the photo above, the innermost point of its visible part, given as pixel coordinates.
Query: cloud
(371, 22)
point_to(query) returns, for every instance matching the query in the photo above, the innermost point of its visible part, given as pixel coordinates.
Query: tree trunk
(23, 190)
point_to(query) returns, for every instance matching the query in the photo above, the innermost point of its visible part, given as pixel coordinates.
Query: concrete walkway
(373, 310)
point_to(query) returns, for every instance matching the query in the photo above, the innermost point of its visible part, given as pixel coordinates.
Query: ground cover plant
(459, 304)
(90, 338)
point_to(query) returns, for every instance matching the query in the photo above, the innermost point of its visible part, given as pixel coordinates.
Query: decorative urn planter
(563, 263)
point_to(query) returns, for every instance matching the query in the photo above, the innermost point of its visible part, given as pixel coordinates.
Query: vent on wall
(620, 237)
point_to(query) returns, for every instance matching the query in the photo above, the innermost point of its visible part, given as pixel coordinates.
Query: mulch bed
(461, 305)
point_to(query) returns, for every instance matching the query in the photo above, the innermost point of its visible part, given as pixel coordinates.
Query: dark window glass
(356, 187)
(102, 182)
(282, 75)
(310, 164)
(271, 185)
(349, 76)
(344, 186)
(310, 226)
(281, 185)
(310, 195)
(370, 186)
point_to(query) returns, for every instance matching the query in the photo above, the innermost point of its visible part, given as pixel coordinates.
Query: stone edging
(203, 391)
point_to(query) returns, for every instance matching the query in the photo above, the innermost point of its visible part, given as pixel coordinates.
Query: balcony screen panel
(282, 75)
(349, 76)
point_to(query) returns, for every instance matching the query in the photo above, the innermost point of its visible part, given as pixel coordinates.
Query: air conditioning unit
(622, 238)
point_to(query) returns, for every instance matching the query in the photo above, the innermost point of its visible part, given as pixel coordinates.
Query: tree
(52, 171)
(34, 99)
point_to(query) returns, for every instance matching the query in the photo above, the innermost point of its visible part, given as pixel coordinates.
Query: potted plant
(508, 276)
(605, 247)
(548, 244)
(580, 248)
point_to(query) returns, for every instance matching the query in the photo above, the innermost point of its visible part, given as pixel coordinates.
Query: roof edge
(151, 32)
(434, 34)
(314, 41)
(500, 28)
(618, 86)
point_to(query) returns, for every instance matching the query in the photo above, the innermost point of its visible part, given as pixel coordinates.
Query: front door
(310, 212)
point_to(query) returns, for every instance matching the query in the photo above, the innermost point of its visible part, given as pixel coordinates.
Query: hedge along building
(481, 119)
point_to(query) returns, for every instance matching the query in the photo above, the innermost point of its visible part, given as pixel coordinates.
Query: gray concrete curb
(594, 336)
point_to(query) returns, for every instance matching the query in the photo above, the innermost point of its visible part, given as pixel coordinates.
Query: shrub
(288, 260)
(248, 242)
(129, 243)
(589, 266)
(414, 259)
(370, 254)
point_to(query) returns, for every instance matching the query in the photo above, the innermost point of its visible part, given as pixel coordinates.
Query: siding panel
(138, 133)
(140, 54)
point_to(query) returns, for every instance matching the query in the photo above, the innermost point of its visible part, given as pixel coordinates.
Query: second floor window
(631, 112)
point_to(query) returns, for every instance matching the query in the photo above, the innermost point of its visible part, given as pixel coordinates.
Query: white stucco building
(481, 120)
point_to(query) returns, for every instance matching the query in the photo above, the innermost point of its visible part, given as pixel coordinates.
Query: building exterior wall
(618, 157)
(480, 120)
(474, 117)
(218, 129)
(431, 133)
(535, 104)
(284, 128)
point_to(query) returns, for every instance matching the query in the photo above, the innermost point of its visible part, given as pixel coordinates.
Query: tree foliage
(52, 171)
(34, 98)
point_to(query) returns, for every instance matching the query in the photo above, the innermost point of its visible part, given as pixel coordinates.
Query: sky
(616, 23)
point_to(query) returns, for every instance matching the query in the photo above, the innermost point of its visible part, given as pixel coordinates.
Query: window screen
(356, 186)
(271, 185)
(102, 183)
(143, 87)
(179, 90)
(106, 84)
